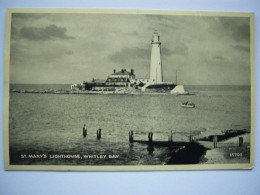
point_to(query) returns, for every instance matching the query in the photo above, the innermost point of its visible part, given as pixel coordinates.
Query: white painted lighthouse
(156, 75)
(155, 83)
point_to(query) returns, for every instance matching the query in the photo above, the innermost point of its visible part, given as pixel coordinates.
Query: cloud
(127, 54)
(162, 21)
(242, 48)
(134, 33)
(31, 16)
(219, 58)
(180, 49)
(238, 27)
(102, 42)
(52, 52)
(40, 34)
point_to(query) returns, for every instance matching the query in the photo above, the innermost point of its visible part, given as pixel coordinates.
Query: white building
(156, 83)
(156, 75)
(121, 78)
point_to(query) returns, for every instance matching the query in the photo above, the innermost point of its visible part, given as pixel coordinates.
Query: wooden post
(99, 133)
(150, 136)
(190, 138)
(240, 140)
(170, 137)
(131, 136)
(84, 134)
(84, 130)
(215, 141)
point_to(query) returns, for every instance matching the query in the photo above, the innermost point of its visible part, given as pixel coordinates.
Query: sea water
(51, 124)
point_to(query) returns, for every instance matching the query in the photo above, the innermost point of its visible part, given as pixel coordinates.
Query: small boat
(188, 105)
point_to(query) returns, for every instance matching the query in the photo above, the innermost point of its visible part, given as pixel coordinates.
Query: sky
(67, 48)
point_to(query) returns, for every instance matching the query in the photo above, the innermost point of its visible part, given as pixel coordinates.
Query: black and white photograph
(128, 90)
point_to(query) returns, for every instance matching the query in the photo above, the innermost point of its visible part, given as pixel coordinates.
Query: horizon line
(78, 83)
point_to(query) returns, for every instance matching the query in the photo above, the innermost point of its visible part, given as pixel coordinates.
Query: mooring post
(190, 138)
(131, 136)
(84, 130)
(99, 133)
(215, 141)
(150, 136)
(170, 137)
(240, 140)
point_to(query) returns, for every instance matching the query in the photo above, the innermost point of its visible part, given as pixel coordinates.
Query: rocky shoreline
(73, 91)
(69, 91)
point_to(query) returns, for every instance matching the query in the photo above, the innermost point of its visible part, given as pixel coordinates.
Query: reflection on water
(150, 149)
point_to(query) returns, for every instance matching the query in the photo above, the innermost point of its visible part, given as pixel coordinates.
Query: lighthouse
(156, 76)
(155, 83)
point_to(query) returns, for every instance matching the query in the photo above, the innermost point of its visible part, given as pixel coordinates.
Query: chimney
(122, 70)
(132, 71)
(114, 70)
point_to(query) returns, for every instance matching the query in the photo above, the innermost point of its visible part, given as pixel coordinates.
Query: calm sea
(52, 124)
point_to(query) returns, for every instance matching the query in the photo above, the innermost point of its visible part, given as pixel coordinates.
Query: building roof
(122, 72)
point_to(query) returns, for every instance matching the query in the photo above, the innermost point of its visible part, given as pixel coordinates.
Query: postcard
(128, 90)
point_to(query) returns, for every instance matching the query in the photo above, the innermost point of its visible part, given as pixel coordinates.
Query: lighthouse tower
(156, 75)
